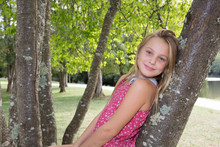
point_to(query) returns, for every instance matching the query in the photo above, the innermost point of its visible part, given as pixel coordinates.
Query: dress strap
(135, 78)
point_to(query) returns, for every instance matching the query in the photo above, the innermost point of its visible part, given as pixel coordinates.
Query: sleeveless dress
(129, 133)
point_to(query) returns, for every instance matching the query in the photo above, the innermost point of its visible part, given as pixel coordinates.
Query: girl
(119, 123)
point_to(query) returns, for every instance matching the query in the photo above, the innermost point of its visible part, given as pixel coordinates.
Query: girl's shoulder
(145, 91)
(149, 81)
(144, 84)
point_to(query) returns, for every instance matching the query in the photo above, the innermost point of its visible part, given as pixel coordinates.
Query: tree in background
(199, 44)
(93, 76)
(27, 72)
(31, 33)
(8, 12)
(73, 50)
(48, 123)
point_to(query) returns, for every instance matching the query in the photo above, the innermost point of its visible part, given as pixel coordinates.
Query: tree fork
(199, 44)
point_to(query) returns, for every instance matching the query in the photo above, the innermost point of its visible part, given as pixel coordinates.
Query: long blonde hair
(164, 78)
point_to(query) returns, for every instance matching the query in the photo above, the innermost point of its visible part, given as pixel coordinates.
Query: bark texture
(199, 44)
(30, 31)
(48, 124)
(5, 138)
(93, 76)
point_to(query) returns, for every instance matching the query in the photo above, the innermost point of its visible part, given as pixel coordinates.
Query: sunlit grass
(202, 129)
(65, 106)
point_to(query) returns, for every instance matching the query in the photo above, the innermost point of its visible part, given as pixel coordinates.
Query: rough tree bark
(48, 124)
(5, 138)
(200, 42)
(93, 76)
(30, 31)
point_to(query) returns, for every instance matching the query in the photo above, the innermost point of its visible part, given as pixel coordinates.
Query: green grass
(65, 105)
(202, 129)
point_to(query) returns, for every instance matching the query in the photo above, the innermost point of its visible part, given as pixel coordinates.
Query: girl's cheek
(162, 65)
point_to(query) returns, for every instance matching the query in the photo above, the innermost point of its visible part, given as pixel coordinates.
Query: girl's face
(153, 58)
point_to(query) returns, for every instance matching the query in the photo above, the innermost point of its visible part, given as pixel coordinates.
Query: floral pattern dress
(129, 133)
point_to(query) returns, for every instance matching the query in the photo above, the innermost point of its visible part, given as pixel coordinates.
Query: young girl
(119, 123)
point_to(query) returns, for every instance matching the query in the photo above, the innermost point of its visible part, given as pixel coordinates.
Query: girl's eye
(149, 52)
(161, 59)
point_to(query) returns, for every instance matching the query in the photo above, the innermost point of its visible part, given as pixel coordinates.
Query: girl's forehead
(157, 44)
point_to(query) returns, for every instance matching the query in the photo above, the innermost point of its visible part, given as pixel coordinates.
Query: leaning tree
(199, 44)
(93, 76)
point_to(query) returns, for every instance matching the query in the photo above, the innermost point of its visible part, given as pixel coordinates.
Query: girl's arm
(140, 94)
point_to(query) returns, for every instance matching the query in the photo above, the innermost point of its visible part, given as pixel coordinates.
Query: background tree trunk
(10, 75)
(62, 78)
(200, 41)
(98, 91)
(93, 76)
(48, 124)
(30, 32)
(5, 138)
(10, 57)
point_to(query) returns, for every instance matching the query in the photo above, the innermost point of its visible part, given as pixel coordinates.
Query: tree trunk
(48, 124)
(5, 138)
(62, 77)
(10, 57)
(92, 81)
(199, 44)
(98, 91)
(30, 31)
(10, 75)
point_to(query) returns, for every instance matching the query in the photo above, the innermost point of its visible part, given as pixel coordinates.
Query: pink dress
(129, 133)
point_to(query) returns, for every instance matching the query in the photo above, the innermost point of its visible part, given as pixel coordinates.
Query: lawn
(202, 129)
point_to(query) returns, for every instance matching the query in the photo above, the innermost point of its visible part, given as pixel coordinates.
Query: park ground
(202, 129)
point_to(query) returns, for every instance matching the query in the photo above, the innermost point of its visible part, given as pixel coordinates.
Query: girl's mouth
(148, 67)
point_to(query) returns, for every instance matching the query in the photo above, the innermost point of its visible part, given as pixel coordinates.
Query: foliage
(215, 69)
(8, 19)
(138, 18)
(77, 26)
(3, 51)
(76, 31)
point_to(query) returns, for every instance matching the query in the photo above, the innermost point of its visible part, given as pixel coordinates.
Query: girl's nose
(153, 60)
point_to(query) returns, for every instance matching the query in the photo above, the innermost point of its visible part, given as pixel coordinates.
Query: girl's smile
(153, 57)
(148, 67)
